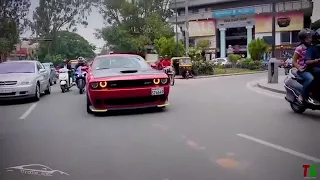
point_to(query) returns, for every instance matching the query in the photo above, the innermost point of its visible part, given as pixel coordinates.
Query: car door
(42, 75)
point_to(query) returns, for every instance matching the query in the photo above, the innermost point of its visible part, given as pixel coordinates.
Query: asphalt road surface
(215, 129)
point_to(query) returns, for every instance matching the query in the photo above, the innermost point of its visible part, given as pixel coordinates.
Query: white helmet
(80, 59)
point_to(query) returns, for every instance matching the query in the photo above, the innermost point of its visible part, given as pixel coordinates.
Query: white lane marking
(28, 111)
(249, 86)
(280, 148)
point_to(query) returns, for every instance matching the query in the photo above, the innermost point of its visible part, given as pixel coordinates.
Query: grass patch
(231, 70)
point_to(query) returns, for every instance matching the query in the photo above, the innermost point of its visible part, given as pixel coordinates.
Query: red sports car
(123, 81)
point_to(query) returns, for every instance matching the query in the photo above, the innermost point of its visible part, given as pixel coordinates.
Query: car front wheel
(37, 93)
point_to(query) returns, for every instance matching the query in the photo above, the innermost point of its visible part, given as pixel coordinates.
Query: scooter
(81, 79)
(293, 86)
(171, 74)
(65, 80)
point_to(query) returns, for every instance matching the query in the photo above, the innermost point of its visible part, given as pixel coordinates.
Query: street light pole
(187, 25)
(273, 28)
(177, 38)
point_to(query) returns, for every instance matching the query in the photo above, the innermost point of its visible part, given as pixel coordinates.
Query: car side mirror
(42, 70)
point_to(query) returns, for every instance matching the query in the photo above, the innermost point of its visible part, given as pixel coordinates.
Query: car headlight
(94, 85)
(164, 81)
(103, 84)
(156, 81)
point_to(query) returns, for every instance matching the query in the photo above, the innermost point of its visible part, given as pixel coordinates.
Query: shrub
(234, 58)
(203, 68)
(255, 65)
(257, 48)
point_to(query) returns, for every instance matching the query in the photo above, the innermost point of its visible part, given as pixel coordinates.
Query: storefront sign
(202, 28)
(234, 22)
(284, 22)
(234, 12)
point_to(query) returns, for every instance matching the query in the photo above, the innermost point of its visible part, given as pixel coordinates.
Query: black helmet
(304, 34)
(317, 34)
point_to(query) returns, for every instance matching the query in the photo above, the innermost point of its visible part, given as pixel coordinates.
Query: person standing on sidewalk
(305, 38)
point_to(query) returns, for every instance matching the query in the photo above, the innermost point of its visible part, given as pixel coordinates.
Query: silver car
(23, 79)
(52, 71)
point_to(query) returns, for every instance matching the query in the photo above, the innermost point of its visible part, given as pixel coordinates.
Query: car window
(39, 66)
(17, 67)
(111, 62)
(221, 60)
(36, 167)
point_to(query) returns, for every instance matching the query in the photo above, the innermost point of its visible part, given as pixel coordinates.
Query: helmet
(65, 60)
(304, 34)
(80, 59)
(317, 34)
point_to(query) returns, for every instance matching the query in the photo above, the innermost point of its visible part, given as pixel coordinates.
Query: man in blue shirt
(313, 55)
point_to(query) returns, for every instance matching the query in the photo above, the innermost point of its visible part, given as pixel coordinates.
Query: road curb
(271, 89)
(233, 74)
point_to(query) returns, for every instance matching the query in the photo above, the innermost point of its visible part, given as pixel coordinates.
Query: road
(215, 129)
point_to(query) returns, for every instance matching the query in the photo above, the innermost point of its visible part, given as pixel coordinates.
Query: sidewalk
(278, 87)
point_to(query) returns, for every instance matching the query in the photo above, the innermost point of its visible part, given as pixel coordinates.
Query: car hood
(121, 74)
(16, 76)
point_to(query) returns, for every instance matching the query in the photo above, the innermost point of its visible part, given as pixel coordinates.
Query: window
(285, 37)
(268, 39)
(120, 62)
(294, 37)
(39, 66)
(17, 67)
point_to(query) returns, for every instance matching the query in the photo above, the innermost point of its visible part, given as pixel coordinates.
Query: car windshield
(17, 67)
(111, 62)
(47, 66)
(186, 61)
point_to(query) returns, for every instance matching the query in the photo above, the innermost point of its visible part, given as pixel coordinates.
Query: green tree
(203, 44)
(53, 15)
(257, 48)
(72, 45)
(168, 46)
(134, 25)
(13, 18)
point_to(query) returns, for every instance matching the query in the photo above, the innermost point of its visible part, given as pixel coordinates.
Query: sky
(95, 21)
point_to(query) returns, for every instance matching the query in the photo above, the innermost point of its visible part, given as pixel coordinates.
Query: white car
(23, 79)
(222, 61)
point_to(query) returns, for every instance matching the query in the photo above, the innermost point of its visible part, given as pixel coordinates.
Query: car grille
(130, 83)
(130, 101)
(5, 83)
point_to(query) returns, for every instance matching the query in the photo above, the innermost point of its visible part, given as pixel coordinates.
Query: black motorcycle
(293, 86)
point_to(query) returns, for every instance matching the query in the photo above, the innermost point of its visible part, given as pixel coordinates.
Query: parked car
(23, 79)
(52, 71)
(222, 61)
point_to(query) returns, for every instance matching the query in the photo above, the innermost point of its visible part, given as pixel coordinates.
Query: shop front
(236, 29)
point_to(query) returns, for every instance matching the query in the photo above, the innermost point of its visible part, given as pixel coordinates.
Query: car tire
(37, 93)
(88, 106)
(48, 90)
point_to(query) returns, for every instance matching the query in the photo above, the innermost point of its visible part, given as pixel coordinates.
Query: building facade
(235, 23)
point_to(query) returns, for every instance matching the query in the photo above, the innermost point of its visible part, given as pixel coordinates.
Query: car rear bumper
(17, 92)
(133, 98)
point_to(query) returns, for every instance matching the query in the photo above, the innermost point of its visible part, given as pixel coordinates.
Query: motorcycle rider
(81, 62)
(313, 55)
(305, 38)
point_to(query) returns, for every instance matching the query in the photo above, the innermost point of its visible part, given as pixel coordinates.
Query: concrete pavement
(276, 87)
(215, 129)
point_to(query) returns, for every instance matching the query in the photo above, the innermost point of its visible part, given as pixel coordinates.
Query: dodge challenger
(124, 81)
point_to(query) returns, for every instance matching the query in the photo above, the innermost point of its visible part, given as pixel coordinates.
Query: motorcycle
(81, 79)
(65, 80)
(293, 86)
(171, 74)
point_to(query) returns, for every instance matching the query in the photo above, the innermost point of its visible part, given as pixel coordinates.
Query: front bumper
(131, 98)
(17, 92)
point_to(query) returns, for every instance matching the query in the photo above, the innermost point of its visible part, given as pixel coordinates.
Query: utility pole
(187, 25)
(273, 28)
(177, 38)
